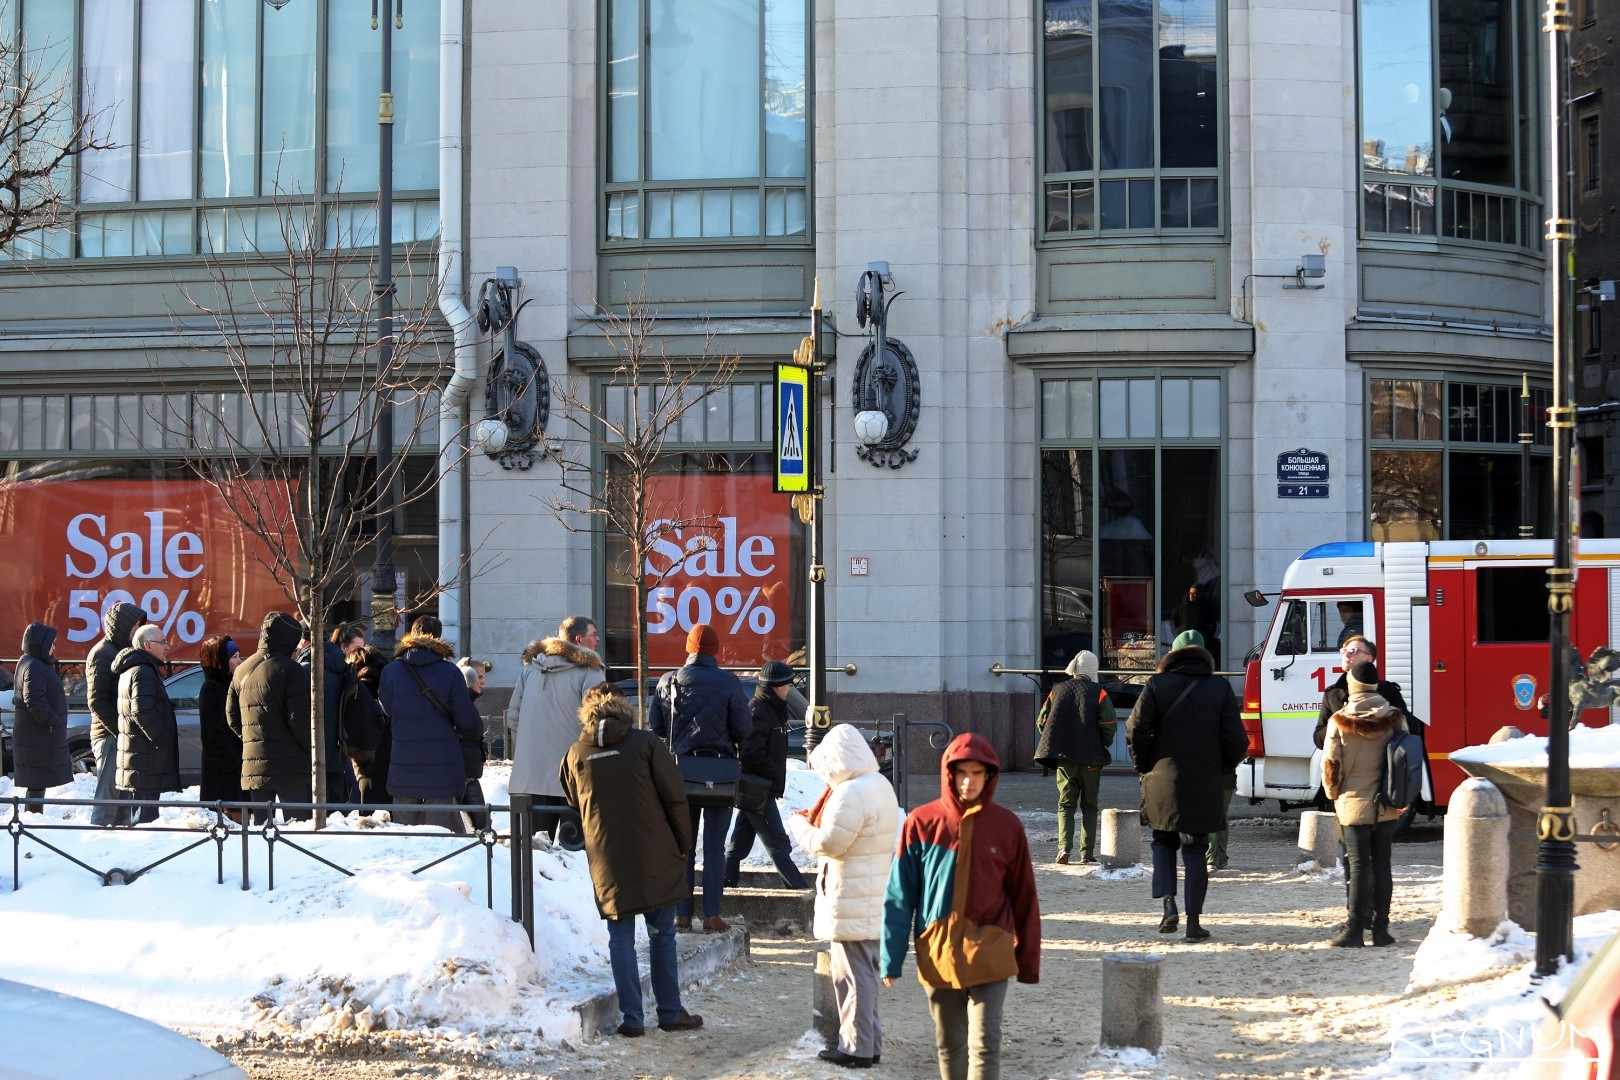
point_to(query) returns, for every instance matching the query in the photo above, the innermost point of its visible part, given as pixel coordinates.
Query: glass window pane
(745, 413)
(53, 433)
(797, 220)
(127, 429)
(1429, 411)
(1476, 94)
(353, 76)
(784, 88)
(1175, 405)
(624, 90)
(688, 213)
(108, 89)
(1112, 408)
(1172, 203)
(1068, 31)
(717, 213)
(229, 77)
(10, 424)
(168, 98)
(1057, 207)
(660, 215)
(1113, 204)
(1380, 403)
(1127, 612)
(1054, 409)
(1142, 204)
(717, 424)
(416, 99)
(1144, 415)
(1204, 196)
(775, 212)
(1397, 95)
(632, 215)
(1068, 604)
(1189, 91)
(1189, 538)
(745, 213)
(703, 87)
(1125, 77)
(1406, 495)
(1206, 408)
(1082, 408)
(287, 142)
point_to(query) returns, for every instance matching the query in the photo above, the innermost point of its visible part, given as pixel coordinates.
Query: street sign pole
(820, 717)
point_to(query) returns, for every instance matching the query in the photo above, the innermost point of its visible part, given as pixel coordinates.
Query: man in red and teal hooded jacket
(962, 886)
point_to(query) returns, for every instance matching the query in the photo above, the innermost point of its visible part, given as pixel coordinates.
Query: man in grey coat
(119, 623)
(543, 716)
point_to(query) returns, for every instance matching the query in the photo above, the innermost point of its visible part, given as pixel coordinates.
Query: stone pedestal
(1120, 844)
(1596, 803)
(1475, 875)
(1132, 1006)
(823, 1005)
(1319, 838)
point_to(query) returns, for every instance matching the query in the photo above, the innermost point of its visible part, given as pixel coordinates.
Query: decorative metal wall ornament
(517, 389)
(888, 391)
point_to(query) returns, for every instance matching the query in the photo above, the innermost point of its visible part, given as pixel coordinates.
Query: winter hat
(775, 673)
(1186, 638)
(702, 639)
(231, 648)
(1084, 665)
(1362, 678)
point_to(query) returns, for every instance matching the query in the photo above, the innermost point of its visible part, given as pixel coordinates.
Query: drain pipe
(452, 303)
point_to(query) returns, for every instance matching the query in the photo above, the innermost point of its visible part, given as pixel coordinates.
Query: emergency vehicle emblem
(1524, 691)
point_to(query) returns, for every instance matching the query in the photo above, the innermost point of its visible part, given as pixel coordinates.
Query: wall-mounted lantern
(888, 392)
(517, 390)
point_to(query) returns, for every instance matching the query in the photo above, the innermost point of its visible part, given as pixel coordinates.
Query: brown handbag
(956, 951)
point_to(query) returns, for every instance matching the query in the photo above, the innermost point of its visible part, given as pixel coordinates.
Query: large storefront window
(1446, 463)
(1132, 505)
(1134, 103)
(227, 103)
(706, 120)
(1449, 128)
(738, 562)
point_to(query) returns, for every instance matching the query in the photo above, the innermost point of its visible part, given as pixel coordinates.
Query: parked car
(183, 687)
(1582, 1037)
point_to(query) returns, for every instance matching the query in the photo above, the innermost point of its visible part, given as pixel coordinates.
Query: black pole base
(1555, 903)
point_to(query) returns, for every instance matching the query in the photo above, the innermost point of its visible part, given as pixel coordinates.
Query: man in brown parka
(1352, 766)
(638, 832)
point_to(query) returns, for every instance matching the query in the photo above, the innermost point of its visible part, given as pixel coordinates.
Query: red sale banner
(728, 568)
(171, 546)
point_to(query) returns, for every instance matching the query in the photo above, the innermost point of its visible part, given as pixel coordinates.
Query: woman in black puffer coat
(221, 747)
(40, 742)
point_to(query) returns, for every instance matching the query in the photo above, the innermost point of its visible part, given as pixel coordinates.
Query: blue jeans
(767, 826)
(666, 981)
(716, 820)
(106, 752)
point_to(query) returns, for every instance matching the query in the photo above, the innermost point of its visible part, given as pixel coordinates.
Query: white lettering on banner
(670, 607)
(131, 555)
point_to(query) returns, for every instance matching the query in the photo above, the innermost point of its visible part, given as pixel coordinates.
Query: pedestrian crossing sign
(792, 428)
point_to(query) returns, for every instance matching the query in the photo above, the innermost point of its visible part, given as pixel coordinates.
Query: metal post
(382, 587)
(901, 767)
(820, 716)
(1555, 827)
(1527, 513)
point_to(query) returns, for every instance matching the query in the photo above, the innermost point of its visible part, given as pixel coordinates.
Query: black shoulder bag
(473, 751)
(711, 780)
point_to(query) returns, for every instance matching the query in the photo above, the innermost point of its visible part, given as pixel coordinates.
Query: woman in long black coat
(40, 743)
(221, 747)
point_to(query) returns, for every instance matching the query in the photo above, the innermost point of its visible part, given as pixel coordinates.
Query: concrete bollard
(1474, 875)
(1132, 1008)
(823, 1003)
(1319, 837)
(1121, 840)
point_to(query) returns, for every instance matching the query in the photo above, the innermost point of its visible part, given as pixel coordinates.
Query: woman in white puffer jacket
(853, 828)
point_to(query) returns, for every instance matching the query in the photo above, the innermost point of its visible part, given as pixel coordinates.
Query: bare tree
(39, 136)
(290, 441)
(657, 392)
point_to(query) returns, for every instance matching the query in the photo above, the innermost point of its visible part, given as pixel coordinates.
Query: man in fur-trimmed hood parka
(543, 714)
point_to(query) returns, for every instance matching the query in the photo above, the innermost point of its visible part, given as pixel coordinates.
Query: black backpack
(360, 727)
(1401, 784)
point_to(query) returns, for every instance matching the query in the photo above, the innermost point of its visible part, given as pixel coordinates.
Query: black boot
(1381, 936)
(1194, 931)
(1172, 919)
(1349, 937)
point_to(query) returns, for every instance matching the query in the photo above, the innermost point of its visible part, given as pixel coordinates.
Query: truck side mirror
(1256, 598)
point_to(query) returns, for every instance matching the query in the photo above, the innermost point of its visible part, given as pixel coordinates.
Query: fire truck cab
(1462, 626)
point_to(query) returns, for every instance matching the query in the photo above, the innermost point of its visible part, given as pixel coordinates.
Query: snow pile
(1589, 748)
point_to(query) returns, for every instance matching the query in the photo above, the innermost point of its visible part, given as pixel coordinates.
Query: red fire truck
(1462, 626)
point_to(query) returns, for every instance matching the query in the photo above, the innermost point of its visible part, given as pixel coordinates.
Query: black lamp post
(1555, 825)
(383, 612)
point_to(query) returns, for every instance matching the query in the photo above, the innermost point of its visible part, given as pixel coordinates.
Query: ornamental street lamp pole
(820, 716)
(383, 604)
(1555, 826)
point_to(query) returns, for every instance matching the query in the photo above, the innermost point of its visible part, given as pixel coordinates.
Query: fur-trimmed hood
(1367, 715)
(432, 644)
(604, 719)
(1188, 659)
(564, 650)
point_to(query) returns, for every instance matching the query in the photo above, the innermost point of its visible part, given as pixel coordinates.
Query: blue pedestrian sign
(792, 435)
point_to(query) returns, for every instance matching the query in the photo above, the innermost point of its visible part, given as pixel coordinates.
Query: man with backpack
(1354, 775)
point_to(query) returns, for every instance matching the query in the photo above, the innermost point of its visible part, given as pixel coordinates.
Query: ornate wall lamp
(888, 392)
(517, 391)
